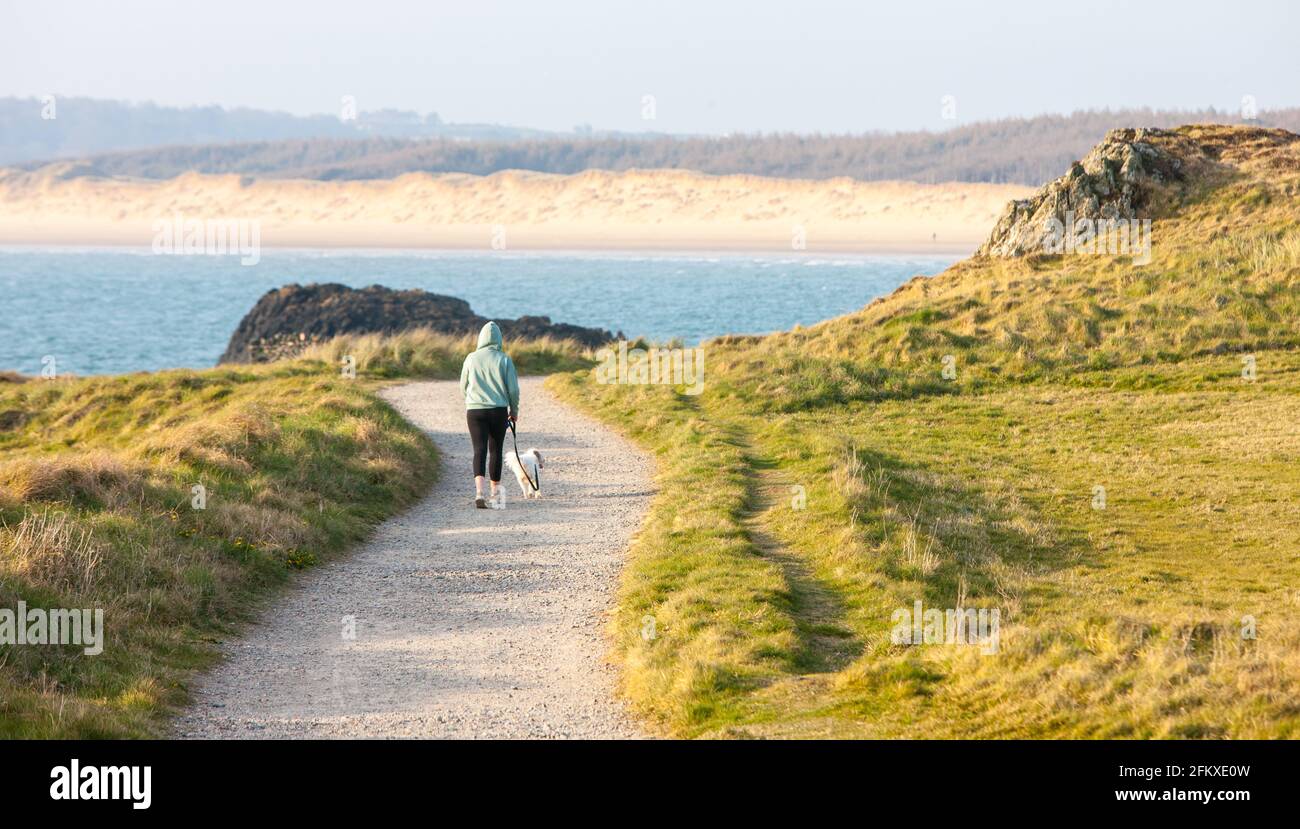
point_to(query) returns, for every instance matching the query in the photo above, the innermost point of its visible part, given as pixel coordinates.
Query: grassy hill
(1100, 464)
(97, 510)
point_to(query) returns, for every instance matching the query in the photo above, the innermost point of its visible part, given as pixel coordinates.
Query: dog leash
(513, 439)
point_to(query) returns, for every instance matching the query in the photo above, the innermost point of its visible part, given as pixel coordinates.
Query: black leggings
(487, 427)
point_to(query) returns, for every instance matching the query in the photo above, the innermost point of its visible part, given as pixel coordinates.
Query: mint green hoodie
(488, 378)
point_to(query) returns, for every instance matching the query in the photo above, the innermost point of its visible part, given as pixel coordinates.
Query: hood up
(490, 336)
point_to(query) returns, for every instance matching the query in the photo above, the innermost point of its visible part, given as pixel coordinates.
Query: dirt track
(469, 623)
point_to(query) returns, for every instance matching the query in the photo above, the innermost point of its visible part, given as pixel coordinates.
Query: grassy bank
(296, 461)
(1099, 471)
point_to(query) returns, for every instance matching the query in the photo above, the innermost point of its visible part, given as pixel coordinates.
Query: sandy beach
(633, 210)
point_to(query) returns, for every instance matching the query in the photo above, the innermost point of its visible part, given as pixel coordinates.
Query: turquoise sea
(100, 311)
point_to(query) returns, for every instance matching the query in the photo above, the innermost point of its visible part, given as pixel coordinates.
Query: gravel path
(469, 623)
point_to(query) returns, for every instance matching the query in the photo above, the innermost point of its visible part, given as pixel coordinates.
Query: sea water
(102, 311)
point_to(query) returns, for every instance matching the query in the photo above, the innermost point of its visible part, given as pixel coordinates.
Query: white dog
(532, 464)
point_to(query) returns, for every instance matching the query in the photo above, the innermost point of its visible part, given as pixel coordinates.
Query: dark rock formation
(287, 319)
(1119, 179)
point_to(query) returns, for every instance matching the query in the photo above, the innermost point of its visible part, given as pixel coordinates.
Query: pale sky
(713, 66)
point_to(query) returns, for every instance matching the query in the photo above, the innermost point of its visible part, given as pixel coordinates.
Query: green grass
(299, 463)
(1072, 373)
(425, 353)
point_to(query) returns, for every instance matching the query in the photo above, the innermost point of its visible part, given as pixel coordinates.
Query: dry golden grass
(48, 548)
(95, 476)
(97, 510)
(427, 353)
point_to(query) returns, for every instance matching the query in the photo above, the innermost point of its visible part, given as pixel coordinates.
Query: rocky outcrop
(1120, 179)
(287, 319)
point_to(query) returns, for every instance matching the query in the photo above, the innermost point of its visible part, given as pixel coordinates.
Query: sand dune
(650, 209)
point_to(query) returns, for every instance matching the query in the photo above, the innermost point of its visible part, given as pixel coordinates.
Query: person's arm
(464, 378)
(512, 383)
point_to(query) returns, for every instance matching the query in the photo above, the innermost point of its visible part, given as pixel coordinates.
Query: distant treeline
(33, 129)
(1021, 150)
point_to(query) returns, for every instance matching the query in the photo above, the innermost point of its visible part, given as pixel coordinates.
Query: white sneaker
(498, 501)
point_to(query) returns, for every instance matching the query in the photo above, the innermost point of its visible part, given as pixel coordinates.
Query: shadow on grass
(960, 541)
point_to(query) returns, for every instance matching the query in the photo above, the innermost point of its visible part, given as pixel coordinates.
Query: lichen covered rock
(1121, 179)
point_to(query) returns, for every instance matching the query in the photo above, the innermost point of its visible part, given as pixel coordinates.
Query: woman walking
(491, 387)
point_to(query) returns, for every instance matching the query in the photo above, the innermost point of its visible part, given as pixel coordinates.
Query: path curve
(469, 623)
